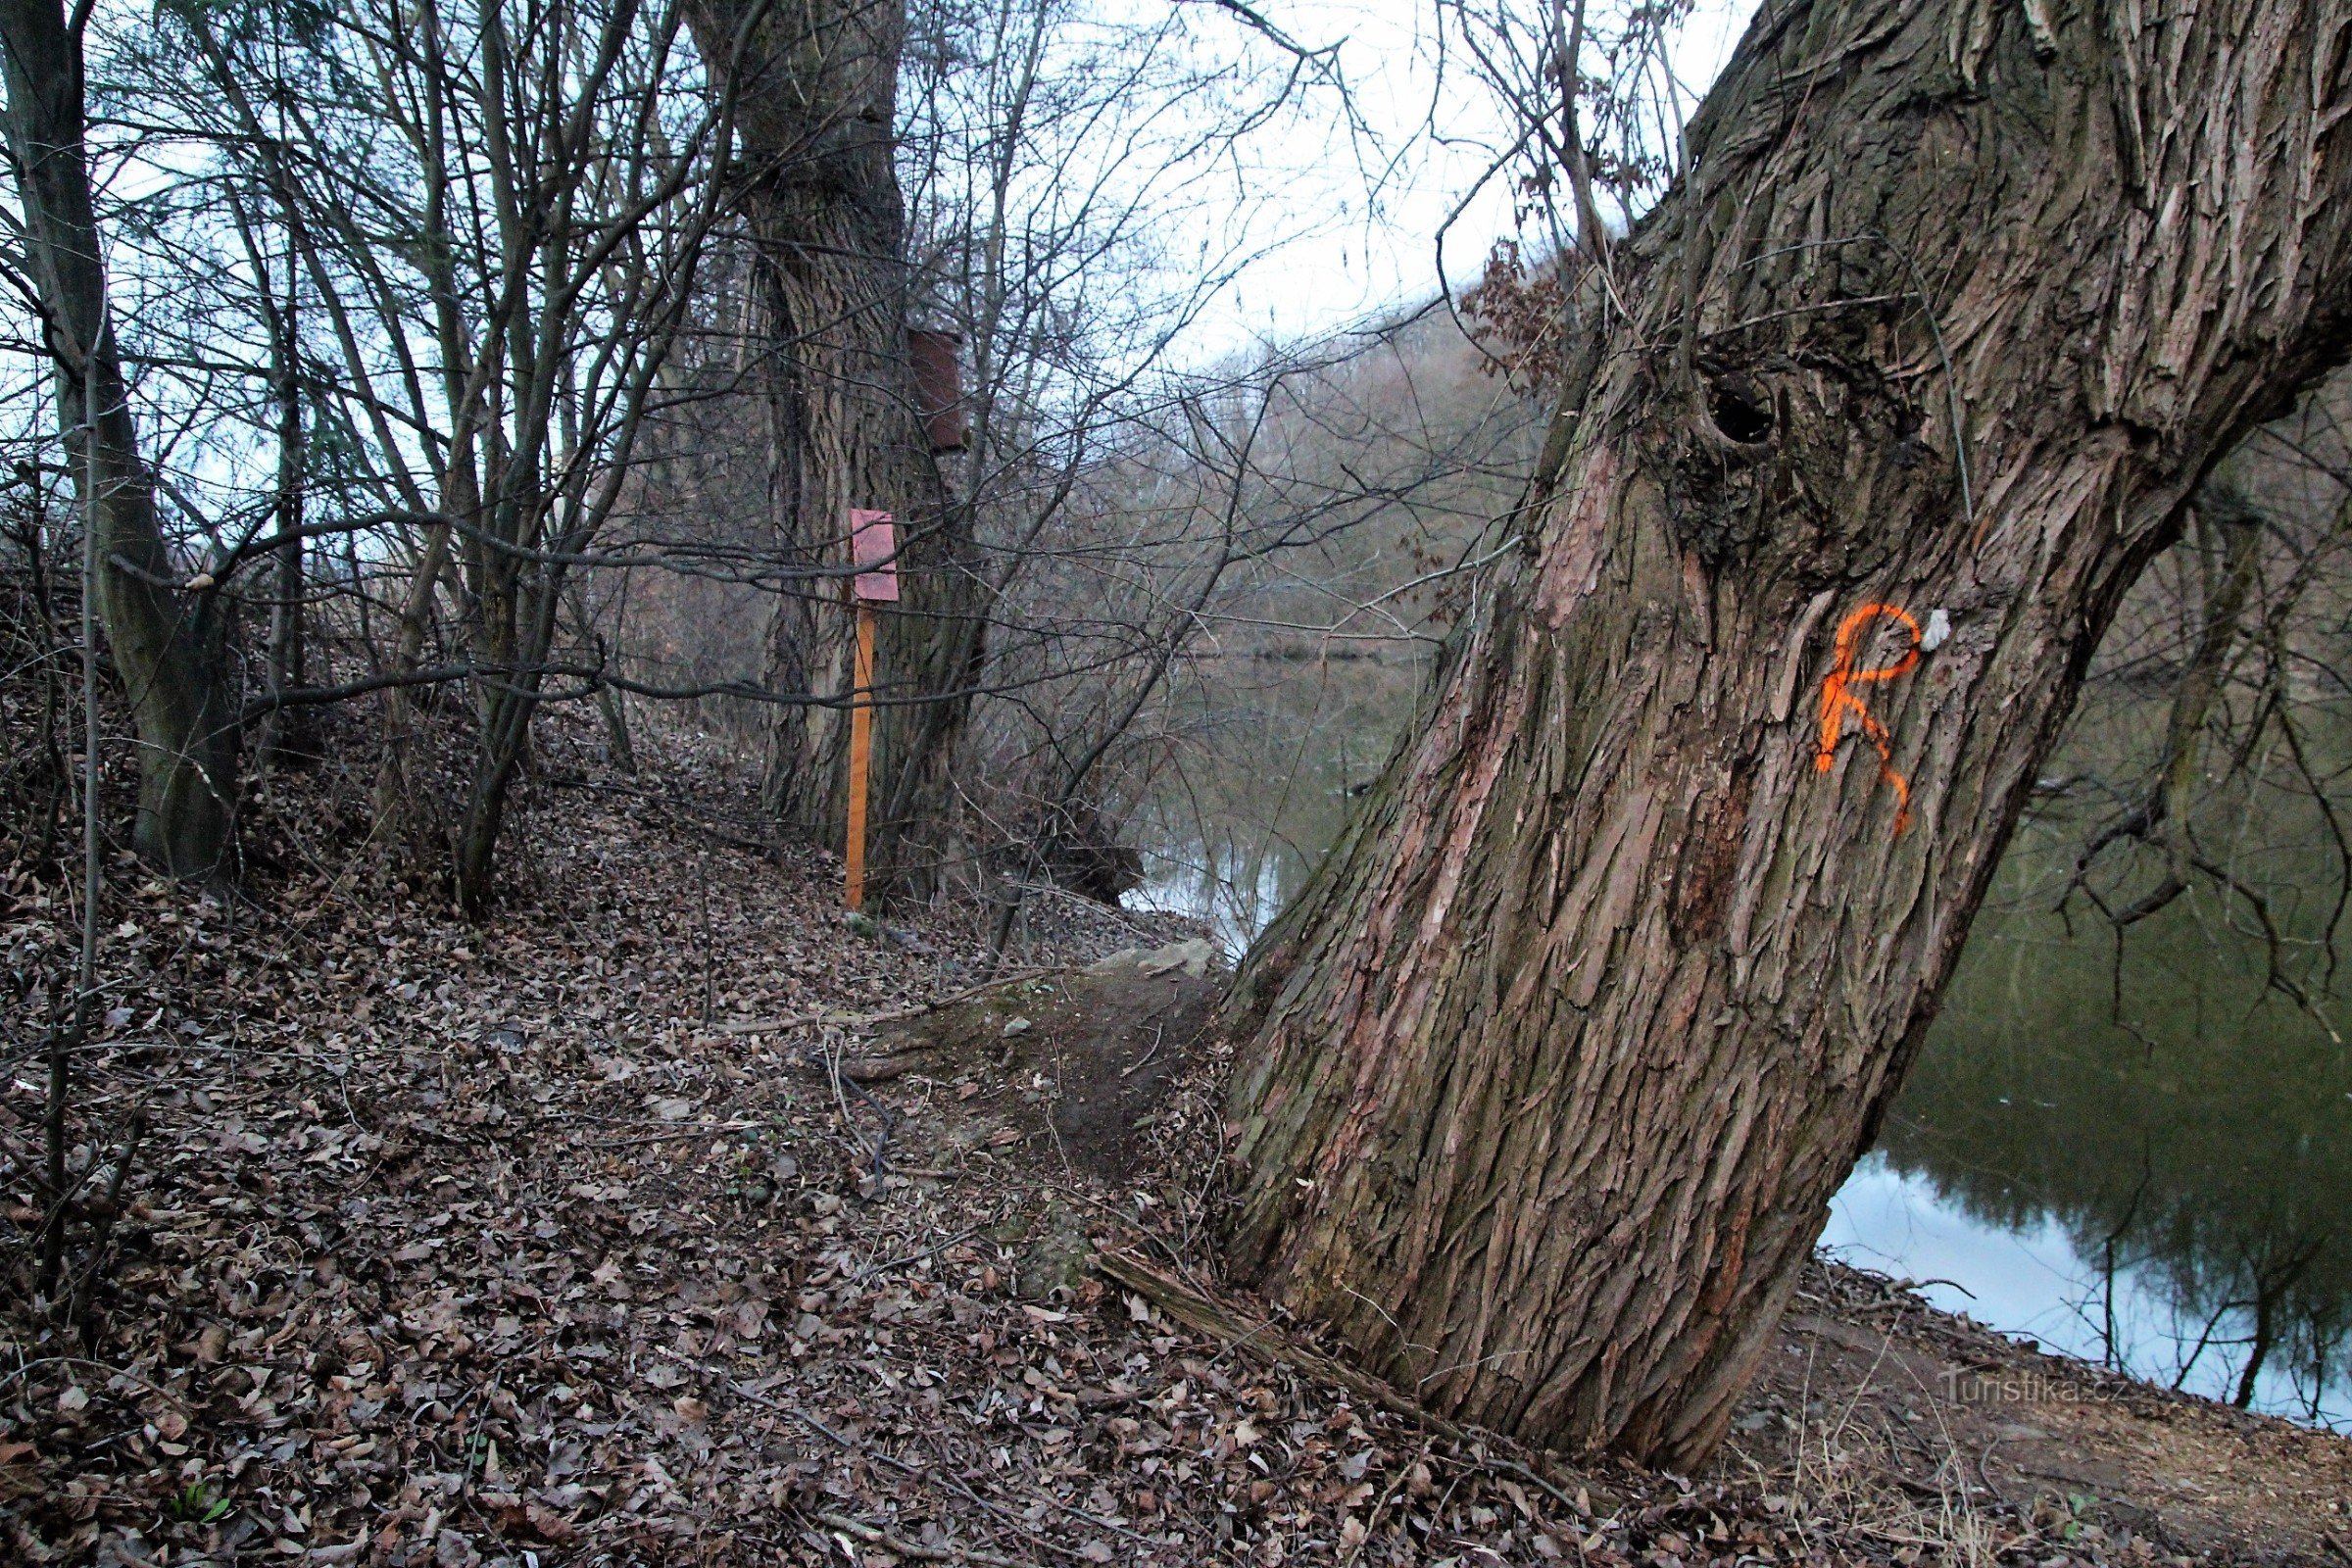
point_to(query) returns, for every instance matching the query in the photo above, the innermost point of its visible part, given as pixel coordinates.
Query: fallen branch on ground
(801, 1020)
(908, 1548)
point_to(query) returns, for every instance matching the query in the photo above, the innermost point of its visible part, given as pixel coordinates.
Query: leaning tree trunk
(169, 643)
(1546, 1082)
(817, 88)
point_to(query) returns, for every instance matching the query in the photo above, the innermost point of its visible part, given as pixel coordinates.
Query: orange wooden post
(861, 745)
(874, 549)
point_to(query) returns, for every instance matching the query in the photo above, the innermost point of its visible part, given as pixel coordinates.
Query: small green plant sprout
(195, 1503)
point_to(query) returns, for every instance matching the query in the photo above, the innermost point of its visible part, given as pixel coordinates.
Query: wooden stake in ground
(875, 551)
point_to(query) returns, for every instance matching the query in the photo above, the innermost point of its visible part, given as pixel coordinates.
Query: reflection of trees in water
(1273, 754)
(1241, 778)
(2205, 1144)
(2141, 1039)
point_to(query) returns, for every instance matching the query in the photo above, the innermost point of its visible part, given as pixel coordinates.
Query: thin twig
(908, 1548)
(1372, 1519)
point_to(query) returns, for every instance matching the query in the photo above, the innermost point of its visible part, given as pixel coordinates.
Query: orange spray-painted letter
(1839, 700)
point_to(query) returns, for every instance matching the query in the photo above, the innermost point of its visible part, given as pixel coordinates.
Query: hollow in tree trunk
(1545, 1081)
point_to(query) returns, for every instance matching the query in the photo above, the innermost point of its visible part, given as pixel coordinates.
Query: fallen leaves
(456, 1243)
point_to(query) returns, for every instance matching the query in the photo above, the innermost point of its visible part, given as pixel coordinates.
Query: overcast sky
(1351, 252)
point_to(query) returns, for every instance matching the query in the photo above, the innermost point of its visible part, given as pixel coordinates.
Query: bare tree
(544, 186)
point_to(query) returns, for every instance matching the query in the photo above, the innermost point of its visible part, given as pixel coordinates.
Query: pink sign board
(874, 548)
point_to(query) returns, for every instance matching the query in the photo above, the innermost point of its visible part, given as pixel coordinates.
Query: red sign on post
(874, 548)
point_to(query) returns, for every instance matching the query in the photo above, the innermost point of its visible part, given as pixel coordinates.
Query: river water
(2163, 1185)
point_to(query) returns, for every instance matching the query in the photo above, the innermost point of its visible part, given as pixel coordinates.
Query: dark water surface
(2164, 1182)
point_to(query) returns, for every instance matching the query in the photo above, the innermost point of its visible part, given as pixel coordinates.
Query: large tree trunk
(817, 87)
(169, 645)
(1546, 1082)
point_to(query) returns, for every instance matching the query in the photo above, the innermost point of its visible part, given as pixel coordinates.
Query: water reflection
(2175, 1174)
(1191, 879)
(1234, 824)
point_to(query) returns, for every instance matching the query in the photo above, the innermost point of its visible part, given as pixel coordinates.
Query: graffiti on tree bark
(1840, 702)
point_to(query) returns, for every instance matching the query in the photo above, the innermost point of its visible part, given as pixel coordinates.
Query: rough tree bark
(1545, 1081)
(816, 94)
(169, 643)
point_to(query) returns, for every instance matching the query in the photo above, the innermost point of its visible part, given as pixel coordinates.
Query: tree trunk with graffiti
(1545, 1081)
(817, 87)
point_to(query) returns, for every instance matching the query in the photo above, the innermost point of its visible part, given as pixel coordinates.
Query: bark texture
(1545, 1081)
(817, 84)
(169, 643)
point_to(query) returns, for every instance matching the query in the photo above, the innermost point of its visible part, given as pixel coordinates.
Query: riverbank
(561, 1237)
(1869, 1379)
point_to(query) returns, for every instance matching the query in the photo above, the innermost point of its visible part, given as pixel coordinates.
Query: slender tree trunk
(404, 821)
(506, 737)
(281, 731)
(1547, 1080)
(614, 708)
(512, 639)
(609, 703)
(169, 645)
(817, 87)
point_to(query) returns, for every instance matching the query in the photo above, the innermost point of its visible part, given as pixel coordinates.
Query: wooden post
(862, 743)
(874, 548)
